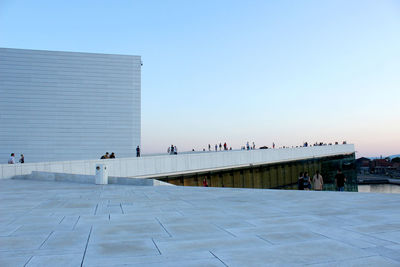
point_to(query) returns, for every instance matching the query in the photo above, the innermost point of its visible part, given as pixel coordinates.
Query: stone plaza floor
(66, 224)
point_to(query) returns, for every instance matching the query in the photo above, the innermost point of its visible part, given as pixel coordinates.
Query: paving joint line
(73, 228)
(180, 213)
(343, 259)
(328, 237)
(252, 224)
(163, 227)
(28, 261)
(152, 239)
(19, 227)
(62, 220)
(41, 245)
(378, 238)
(266, 240)
(87, 243)
(340, 240)
(389, 258)
(218, 259)
(219, 227)
(146, 196)
(368, 235)
(187, 201)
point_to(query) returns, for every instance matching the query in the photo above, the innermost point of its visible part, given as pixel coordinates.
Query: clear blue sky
(237, 71)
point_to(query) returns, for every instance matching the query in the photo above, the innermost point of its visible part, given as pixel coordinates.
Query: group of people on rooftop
(224, 146)
(11, 160)
(172, 150)
(112, 155)
(248, 147)
(108, 156)
(252, 146)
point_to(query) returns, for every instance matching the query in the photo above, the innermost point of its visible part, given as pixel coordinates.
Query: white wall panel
(65, 106)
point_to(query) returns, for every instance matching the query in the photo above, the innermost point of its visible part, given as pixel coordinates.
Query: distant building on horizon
(58, 106)
(363, 165)
(380, 166)
(377, 166)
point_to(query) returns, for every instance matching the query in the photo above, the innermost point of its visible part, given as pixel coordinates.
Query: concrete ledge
(379, 181)
(379, 188)
(87, 179)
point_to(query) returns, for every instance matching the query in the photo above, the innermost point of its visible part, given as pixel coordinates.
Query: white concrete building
(57, 106)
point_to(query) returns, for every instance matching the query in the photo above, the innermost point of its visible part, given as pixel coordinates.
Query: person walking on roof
(318, 182)
(340, 180)
(11, 160)
(307, 182)
(300, 182)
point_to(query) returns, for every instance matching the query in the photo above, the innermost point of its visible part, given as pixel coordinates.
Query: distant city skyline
(229, 71)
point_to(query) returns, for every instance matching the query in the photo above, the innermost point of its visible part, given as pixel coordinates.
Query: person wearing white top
(11, 160)
(318, 181)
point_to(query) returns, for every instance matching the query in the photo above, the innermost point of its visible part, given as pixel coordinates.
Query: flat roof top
(50, 223)
(66, 52)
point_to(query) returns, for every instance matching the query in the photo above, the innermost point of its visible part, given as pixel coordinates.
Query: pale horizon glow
(234, 71)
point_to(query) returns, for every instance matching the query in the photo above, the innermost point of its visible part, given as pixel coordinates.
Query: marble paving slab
(63, 224)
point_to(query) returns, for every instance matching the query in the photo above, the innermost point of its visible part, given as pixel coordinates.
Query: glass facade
(282, 175)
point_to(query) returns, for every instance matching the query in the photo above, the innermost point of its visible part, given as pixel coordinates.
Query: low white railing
(181, 163)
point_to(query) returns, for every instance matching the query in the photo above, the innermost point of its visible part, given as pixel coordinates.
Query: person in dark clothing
(112, 156)
(137, 151)
(340, 180)
(22, 159)
(301, 182)
(205, 184)
(106, 156)
(307, 181)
